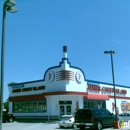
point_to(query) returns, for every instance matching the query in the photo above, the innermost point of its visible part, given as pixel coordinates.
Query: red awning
(96, 97)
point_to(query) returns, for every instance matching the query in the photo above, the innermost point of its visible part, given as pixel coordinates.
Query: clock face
(79, 77)
(51, 76)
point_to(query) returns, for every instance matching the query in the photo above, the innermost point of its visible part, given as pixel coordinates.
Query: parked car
(124, 116)
(8, 117)
(96, 118)
(66, 121)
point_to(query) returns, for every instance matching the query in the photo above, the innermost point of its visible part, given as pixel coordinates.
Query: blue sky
(36, 34)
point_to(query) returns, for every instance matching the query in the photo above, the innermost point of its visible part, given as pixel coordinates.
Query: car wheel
(61, 126)
(99, 126)
(11, 119)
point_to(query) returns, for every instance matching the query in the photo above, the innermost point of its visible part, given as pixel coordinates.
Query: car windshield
(124, 114)
(84, 112)
(65, 118)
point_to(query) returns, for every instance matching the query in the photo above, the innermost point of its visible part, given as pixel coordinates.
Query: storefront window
(37, 106)
(30, 107)
(89, 104)
(44, 106)
(85, 104)
(23, 106)
(40, 106)
(15, 107)
(94, 104)
(19, 107)
(27, 107)
(104, 104)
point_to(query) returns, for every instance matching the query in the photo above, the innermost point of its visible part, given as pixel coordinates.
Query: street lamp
(7, 6)
(111, 53)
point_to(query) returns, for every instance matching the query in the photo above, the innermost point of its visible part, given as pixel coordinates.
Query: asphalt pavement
(46, 125)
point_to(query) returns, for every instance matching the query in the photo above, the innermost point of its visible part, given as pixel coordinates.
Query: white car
(66, 121)
(124, 116)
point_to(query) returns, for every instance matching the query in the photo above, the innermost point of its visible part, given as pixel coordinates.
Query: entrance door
(65, 109)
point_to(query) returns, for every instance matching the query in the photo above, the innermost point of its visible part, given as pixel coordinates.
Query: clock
(79, 77)
(51, 76)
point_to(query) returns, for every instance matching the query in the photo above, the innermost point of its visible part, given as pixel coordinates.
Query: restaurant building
(63, 90)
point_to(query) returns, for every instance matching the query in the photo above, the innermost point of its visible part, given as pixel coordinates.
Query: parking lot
(35, 126)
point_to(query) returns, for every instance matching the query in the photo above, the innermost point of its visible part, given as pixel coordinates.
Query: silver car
(66, 121)
(124, 116)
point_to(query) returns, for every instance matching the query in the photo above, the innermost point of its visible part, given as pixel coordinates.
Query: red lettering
(94, 88)
(117, 90)
(123, 92)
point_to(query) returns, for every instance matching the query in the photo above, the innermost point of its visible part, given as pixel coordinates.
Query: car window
(96, 112)
(108, 112)
(83, 112)
(127, 114)
(65, 118)
(124, 114)
(103, 112)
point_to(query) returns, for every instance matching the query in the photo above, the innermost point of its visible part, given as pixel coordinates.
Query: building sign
(96, 88)
(17, 86)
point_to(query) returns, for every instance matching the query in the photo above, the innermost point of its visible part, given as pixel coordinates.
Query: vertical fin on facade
(64, 51)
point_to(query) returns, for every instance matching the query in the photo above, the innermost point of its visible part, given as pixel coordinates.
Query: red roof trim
(65, 93)
(42, 96)
(84, 94)
(29, 97)
(96, 97)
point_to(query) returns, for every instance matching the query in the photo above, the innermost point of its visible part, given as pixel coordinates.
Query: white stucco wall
(53, 107)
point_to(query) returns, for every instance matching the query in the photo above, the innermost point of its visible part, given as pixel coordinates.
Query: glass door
(68, 110)
(65, 110)
(62, 110)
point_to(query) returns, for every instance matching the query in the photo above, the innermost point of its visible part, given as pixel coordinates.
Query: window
(85, 104)
(94, 104)
(16, 90)
(107, 112)
(96, 112)
(15, 107)
(103, 112)
(65, 102)
(34, 88)
(23, 106)
(35, 106)
(40, 106)
(103, 104)
(29, 106)
(26, 89)
(44, 106)
(18, 107)
(41, 87)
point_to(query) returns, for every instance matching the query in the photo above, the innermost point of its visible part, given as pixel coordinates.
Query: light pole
(111, 53)
(7, 6)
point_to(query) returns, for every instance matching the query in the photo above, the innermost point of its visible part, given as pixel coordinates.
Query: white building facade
(63, 90)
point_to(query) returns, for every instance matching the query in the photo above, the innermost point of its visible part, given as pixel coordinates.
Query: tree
(6, 105)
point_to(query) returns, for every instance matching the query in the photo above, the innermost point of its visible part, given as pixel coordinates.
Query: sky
(36, 34)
